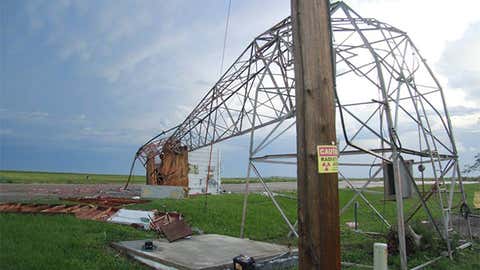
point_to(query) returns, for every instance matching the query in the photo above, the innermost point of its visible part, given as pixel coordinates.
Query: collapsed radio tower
(390, 110)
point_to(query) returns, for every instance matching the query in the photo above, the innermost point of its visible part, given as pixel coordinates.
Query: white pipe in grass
(380, 256)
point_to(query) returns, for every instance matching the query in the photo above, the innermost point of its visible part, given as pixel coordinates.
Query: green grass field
(63, 242)
(24, 177)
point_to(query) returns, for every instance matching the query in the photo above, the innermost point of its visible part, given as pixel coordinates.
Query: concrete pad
(201, 252)
(150, 263)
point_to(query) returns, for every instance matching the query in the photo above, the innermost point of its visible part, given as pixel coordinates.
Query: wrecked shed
(192, 170)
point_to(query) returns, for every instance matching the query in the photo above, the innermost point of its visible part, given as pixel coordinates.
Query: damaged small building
(198, 172)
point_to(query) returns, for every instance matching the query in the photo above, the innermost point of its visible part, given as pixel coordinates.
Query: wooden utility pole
(318, 209)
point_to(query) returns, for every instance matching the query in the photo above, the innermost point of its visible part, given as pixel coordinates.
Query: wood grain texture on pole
(318, 209)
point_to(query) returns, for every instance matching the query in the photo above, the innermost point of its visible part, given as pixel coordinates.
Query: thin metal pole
(366, 201)
(355, 214)
(131, 172)
(247, 179)
(270, 194)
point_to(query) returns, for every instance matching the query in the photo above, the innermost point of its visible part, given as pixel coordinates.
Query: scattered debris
(80, 211)
(106, 201)
(352, 225)
(410, 241)
(197, 230)
(170, 224)
(163, 218)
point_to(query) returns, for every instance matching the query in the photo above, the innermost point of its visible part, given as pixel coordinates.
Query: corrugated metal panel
(127, 217)
(198, 168)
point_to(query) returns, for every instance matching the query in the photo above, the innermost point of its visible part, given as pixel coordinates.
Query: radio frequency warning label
(327, 158)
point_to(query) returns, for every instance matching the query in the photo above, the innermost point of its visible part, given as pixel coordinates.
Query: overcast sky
(85, 83)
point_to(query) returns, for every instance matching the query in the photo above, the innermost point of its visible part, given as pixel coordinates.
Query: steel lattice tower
(390, 108)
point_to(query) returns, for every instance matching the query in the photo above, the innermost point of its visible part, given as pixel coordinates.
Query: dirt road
(292, 186)
(286, 186)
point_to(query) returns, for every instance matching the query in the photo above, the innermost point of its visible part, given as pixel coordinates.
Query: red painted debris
(80, 211)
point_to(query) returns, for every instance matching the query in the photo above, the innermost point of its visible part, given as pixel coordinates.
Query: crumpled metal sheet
(170, 224)
(137, 218)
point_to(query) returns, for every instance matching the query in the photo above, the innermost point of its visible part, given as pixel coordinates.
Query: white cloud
(430, 23)
(470, 121)
(433, 26)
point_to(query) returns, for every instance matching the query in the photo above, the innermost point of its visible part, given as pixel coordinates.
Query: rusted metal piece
(106, 201)
(91, 212)
(171, 224)
(176, 230)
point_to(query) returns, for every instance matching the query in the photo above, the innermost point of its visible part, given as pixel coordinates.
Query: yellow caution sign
(476, 200)
(327, 158)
